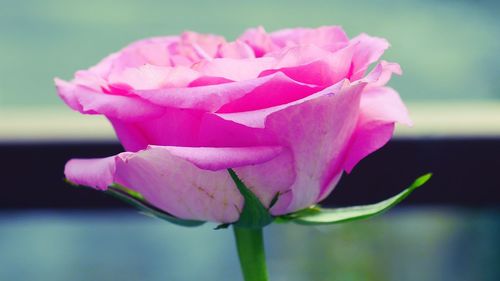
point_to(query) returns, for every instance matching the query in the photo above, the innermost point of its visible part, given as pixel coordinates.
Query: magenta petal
(257, 118)
(312, 65)
(317, 131)
(208, 98)
(95, 173)
(380, 107)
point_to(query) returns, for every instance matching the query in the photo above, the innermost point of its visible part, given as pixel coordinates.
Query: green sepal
(254, 214)
(222, 226)
(320, 216)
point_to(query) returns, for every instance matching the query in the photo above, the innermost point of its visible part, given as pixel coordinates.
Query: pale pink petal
(180, 188)
(270, 178)
(149, 77)
(327, 37)
(88, 101)
(171, 179)
(141, 78)
(382, 73)
(234, 69)
(368, 50)
(236, 50)
(259, 41)
(95, 173)
(194, 47)
(152, 51)
(90, 80)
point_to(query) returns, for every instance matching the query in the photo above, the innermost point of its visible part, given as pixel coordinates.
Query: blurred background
(449, 54)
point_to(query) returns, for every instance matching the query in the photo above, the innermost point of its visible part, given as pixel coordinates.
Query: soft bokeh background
(448, 51)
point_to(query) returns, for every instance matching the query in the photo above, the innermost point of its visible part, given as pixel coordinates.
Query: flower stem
(250, 245)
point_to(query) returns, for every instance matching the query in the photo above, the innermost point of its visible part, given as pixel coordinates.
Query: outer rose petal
(316, 131)
(380, 108)
(96, 173)
(87, 101)
(191, 183)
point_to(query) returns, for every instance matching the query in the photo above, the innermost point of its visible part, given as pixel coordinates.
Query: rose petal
(313, 65)
(368, 49)
(257, 118)
(380, 108)
(215, 158)
(149, 77)
(327, 37)
(212, 97)
(173, 179)
(96, 173)
(259, 41)
(234, 69)
(236, 50)
(88, 101)
(316, 131)
(382, 73)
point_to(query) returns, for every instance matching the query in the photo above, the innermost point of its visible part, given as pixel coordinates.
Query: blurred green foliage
(448, 49)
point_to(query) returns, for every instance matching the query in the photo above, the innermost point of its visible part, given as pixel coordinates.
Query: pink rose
(289, 111)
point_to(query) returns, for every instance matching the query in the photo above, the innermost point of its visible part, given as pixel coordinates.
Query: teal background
(410, 244)
(448, 49)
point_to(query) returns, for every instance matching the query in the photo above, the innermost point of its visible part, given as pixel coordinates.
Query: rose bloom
(289, 111)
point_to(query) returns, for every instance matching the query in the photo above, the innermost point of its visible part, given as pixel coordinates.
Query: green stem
(250, 244)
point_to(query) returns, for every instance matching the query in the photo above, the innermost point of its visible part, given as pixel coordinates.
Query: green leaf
(135, 199)
(254, 214)
(320, 216)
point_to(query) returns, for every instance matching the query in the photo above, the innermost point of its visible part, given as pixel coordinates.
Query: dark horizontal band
(466, 173)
